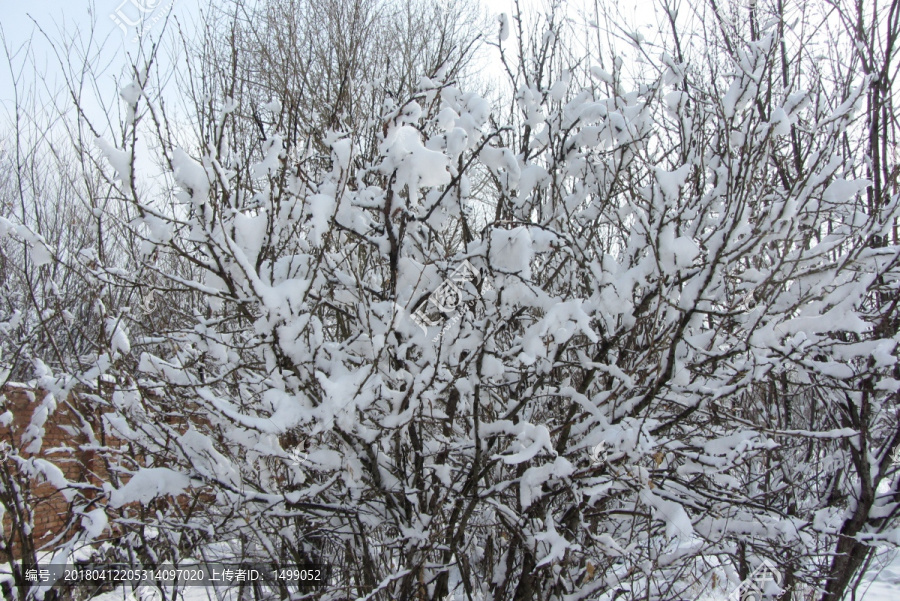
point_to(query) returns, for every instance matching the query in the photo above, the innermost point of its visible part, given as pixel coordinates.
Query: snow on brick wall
(61, 441)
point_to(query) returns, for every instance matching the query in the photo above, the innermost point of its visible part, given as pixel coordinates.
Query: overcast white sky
(118, 21)
(19, 20)
(115, 25)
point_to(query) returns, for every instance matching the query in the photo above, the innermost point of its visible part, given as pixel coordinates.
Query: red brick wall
(61, 441)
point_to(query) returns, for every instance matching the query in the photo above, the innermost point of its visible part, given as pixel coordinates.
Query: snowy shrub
(692, 264)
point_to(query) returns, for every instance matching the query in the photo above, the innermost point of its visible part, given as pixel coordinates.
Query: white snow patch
(119, 160)
(190, 175)
(841, 190)
(149, 483)
(601, 75)
(504, 27)
(511, 251)
(670, 182)
(94, 523)
(415, 166)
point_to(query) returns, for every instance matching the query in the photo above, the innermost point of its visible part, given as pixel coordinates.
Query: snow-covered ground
(193, 593)
(882, 581)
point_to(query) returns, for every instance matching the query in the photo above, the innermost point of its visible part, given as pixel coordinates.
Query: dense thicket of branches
(686, 251)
